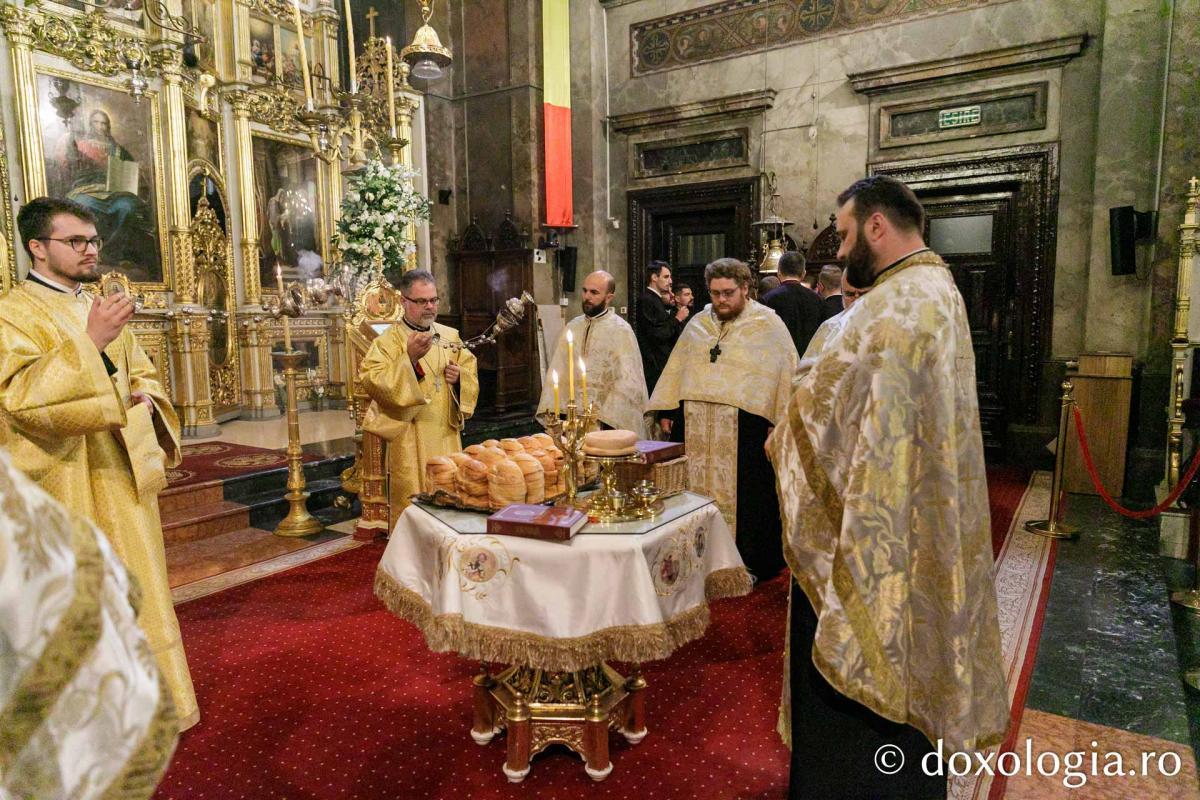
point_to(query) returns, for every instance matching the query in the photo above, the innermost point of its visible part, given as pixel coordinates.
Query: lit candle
(570, 367)
(583, 381)
(350, 39)
(287, 327)
(308, 98)
(554, 380)
(391, 80)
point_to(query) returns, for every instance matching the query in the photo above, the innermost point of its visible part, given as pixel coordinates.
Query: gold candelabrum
(293, 300)
(568, 436)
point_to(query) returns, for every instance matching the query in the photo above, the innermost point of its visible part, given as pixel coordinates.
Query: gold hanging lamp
(426, 55)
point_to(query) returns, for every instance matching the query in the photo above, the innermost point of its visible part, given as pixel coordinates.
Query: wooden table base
(538, 708)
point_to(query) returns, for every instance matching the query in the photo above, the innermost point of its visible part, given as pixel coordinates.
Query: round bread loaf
(471, 483)
(531, 444)
(511, 446)
(546, 439)
(535, 477)
(459, 458)
(610, 443)
(491, 455)
(473, 450)
(506, 484)
(440, 472)
(490, 443)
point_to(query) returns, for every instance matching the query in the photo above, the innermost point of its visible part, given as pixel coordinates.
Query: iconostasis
(180, 125)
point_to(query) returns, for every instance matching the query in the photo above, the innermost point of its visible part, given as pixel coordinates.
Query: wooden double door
(992, 217)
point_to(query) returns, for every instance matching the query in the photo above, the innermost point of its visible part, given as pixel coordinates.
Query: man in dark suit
(797, 305)
(659, 323)
(829, 287)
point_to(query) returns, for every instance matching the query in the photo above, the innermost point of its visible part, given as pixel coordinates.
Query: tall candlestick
(287, 328)
(570, 367)
(350, 41)
(308, 98)
(583, 380)
(391, 81)
(554, 380)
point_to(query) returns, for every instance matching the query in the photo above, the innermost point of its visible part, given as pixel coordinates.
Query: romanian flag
(556, 95)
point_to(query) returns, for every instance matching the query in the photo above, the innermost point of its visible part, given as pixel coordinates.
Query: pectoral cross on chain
(714, 353)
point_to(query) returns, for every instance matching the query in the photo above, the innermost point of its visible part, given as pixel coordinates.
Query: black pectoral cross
(714, 353)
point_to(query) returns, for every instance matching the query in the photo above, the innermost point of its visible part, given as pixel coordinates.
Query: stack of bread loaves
(497, 473)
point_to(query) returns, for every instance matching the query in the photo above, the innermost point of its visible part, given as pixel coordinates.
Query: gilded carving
(545, 734)
(280, 10)
(89, 42)
(271, 105)
(8, 255)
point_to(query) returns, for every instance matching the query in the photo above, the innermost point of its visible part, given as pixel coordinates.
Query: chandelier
(426, 55)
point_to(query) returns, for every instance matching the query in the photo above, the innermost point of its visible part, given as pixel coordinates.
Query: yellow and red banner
(556, 95)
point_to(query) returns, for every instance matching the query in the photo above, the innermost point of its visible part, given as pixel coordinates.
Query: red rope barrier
(1113, 504)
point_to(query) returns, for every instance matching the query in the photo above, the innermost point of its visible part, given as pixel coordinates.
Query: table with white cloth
(556, 612)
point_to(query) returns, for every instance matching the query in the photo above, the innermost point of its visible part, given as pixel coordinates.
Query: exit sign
(961, 117)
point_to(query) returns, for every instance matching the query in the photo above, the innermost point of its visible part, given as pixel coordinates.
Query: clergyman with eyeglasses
(422, 387)
(84, 414)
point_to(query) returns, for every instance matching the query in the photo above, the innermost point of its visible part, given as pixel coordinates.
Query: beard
(731, 311)
(860, 263)
(594, 310)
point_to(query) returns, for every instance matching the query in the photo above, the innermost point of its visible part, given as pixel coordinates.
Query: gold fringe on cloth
(632, 643)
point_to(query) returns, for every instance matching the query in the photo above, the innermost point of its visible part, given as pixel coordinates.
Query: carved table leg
(484, 727)
(519, 730)
(595, 739)
(633, 726)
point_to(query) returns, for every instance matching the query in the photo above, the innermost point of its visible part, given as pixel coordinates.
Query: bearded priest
(609, 350)
(422, 388)
(85, 417)
(894, 641)
(732, 372)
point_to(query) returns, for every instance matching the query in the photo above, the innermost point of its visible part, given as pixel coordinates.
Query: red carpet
(308, 688)
(216, 460)
(1006, 486)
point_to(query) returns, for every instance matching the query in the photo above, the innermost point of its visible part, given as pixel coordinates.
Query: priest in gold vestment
(85, 417)
(894, 640)
(732, 371)
(422, 390)
(609, 349)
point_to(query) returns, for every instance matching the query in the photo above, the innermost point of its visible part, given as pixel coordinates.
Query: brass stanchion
(1052, 528)
(1190, 598)
(298, 521)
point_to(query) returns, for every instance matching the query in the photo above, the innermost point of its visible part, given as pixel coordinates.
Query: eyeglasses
(429, 301)
(78, 243)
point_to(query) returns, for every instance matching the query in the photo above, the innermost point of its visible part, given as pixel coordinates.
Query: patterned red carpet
(213, 460)
(308, 688)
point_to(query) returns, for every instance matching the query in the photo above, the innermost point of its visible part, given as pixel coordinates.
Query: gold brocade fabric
(84, 712)
(616, 383)
(64, 424)
(712, 437)
(880, 474)
(753, 371)
(419, 419)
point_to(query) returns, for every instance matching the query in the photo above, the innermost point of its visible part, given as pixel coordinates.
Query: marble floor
(315, 426)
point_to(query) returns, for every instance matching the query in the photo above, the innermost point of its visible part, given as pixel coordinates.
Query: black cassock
(759, 530)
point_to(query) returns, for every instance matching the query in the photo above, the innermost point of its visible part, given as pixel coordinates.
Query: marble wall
(1102, 111)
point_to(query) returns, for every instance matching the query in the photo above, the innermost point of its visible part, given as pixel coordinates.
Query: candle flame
(554, 377)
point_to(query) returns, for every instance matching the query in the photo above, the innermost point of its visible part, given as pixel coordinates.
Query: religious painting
(202, 16)
(102, 151)
(287, 197)
(289, 57)
(203, 139)
(262, 47)
(128, 12)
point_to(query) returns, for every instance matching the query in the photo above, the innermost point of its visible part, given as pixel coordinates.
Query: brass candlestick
(568, 436)
(292, 302)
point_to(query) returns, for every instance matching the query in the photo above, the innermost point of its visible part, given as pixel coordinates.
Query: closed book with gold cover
(553, 523)
(653, 452)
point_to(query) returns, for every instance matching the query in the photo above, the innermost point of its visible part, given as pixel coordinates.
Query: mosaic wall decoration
(735, 27)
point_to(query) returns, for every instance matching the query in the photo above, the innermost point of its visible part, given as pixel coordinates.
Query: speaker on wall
(1127, 227)
(567, 259)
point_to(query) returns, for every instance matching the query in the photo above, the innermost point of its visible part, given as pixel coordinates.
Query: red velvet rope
(1113, 504)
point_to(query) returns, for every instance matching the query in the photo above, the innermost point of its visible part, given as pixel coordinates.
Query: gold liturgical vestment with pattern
(879, 462)
(74, 430)
(418, 418)
(752, 371)
(84, 712)
(616, 384)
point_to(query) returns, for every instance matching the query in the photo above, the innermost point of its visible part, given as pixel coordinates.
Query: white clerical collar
(50, 283)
